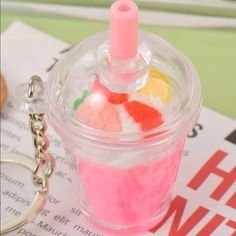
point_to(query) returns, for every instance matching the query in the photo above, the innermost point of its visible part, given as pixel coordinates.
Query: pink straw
(123, 30)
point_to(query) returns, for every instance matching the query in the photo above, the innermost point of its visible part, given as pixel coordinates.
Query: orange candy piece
(158, 85)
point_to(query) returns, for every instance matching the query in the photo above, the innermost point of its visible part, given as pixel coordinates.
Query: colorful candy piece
(115, 98)
(158, 85)
(80, 100)
(147, 116)
(98, 113)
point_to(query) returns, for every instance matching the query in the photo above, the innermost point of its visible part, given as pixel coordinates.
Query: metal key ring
(40, 196)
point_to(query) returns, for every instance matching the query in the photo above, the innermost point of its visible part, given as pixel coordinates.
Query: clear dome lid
(105, 93)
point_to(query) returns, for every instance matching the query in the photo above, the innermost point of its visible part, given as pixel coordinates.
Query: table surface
(212, 51)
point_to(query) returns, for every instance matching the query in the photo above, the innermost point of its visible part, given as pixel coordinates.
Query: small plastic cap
(123, 30)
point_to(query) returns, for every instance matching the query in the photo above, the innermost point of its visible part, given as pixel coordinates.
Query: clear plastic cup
(124, 178)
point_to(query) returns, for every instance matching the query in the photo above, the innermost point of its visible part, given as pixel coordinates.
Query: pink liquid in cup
(129, 196)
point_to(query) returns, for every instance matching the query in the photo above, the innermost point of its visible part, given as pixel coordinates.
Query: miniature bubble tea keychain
(123, 103)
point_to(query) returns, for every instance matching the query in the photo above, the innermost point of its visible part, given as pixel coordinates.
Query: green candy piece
(80, 100)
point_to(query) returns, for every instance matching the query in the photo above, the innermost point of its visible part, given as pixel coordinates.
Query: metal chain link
(38, 127)
(43, 164)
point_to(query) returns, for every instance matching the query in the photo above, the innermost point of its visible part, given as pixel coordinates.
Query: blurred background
(205, 30)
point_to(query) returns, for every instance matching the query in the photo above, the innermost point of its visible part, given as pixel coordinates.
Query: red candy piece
(115, 98)
(147, 116)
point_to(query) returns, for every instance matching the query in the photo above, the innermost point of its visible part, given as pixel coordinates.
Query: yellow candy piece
(158, 85)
